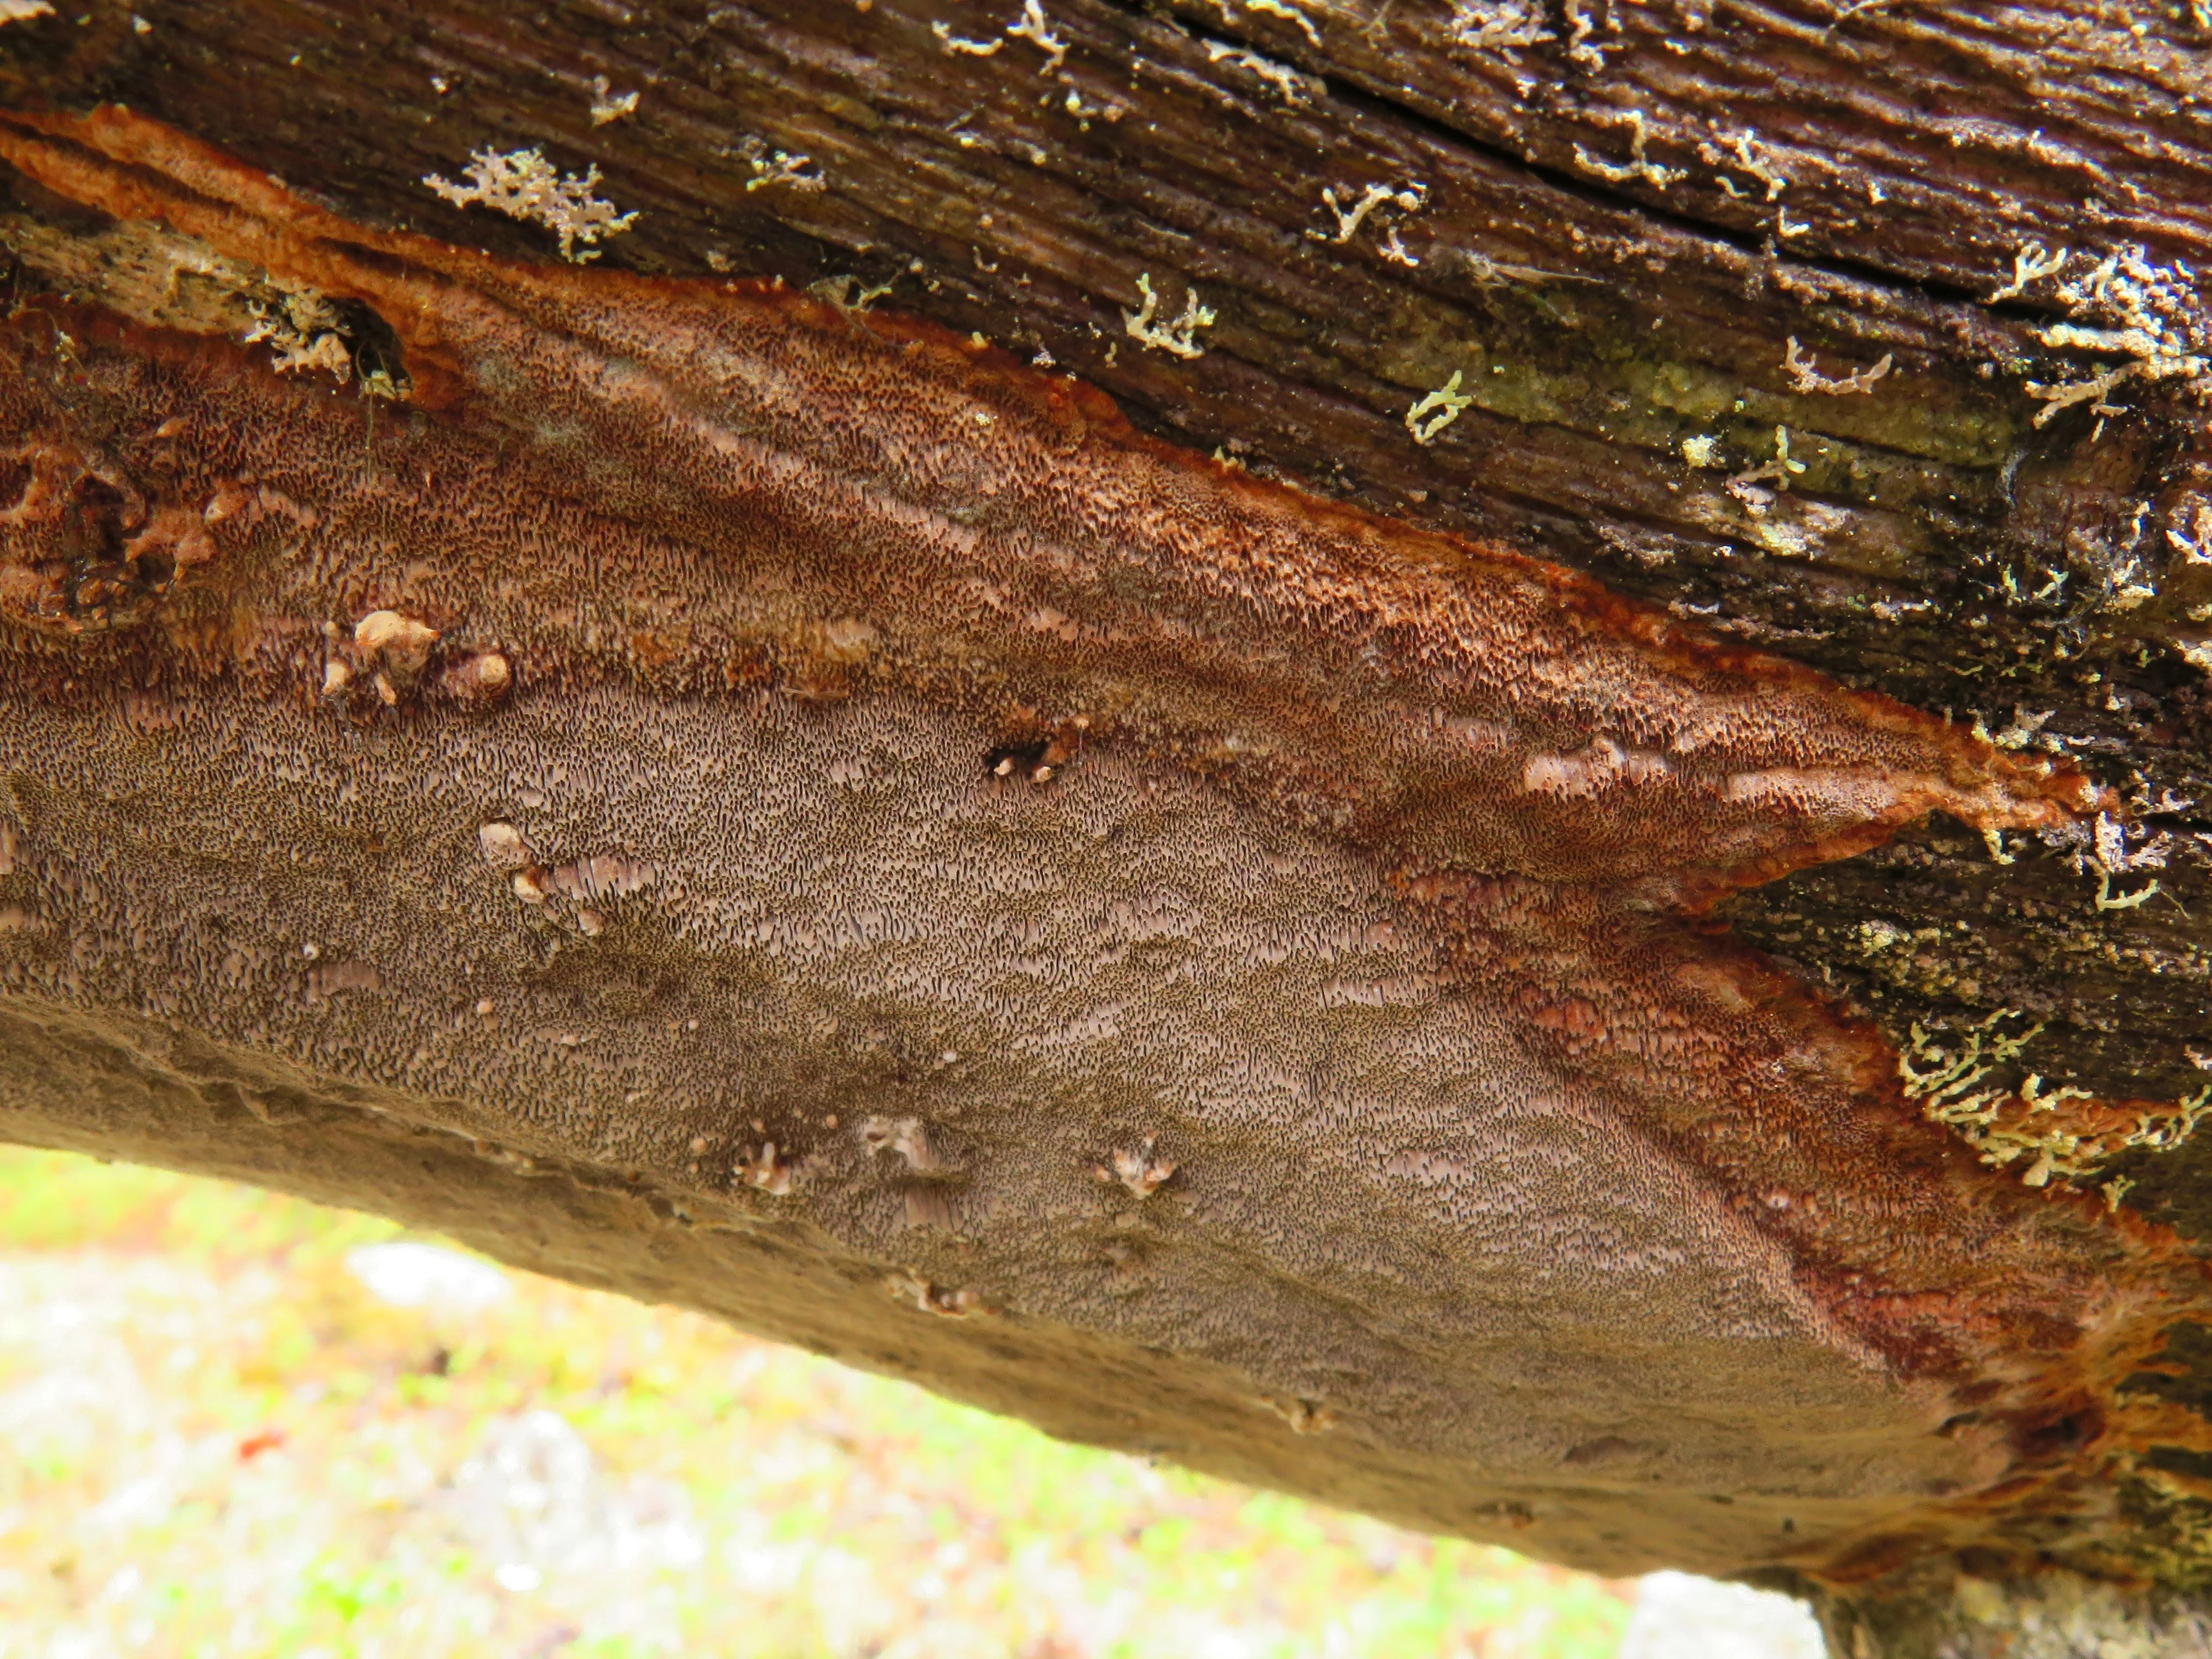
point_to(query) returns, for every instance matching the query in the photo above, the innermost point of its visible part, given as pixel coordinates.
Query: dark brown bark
(1620, 229)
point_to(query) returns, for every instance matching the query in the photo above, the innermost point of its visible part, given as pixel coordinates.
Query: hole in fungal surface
(1015, 760)
(373, 342)
(15, 480)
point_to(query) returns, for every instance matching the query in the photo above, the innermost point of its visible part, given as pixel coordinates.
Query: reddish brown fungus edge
(992, 374)
(133, 167)
(2117, 1283)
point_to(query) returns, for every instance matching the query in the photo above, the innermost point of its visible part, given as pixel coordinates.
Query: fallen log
(1543, 881)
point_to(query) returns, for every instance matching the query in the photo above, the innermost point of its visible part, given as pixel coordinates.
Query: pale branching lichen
(954, 43)
(849, 293)
(2024, 729)
(1498, 26)
(1404, 198)
(1285, 82)
(2190, 533)
(607, 105)
(523, 185)
(1289, 14)
(1032, 26)
(1430, 416)
(2108, 900)
(1747, 487)
(1746, 148)
(1579, 48)
(2031, 263)
(1035, 28)
(1878, 935)
(305, 332)
(1703, 450)
(1348, 219)
(1808, 380)
(2107, 852)
(1638, 166)
(2121, 305)
(785, 167)
(2005, 1125)
(1946, 1087)
(1180, 337)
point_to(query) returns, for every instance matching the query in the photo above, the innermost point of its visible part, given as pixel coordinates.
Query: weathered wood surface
(1621, 215)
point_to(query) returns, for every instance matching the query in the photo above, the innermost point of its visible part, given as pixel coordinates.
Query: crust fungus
(1386, 893)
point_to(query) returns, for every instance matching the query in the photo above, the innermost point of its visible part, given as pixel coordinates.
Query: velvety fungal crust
(841, 789)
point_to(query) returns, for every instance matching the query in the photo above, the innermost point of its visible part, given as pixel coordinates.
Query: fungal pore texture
(760, 777)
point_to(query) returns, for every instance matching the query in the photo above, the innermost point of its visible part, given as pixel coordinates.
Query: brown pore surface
(1342, 865)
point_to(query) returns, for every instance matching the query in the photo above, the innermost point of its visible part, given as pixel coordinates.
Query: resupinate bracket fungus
(1378, 879)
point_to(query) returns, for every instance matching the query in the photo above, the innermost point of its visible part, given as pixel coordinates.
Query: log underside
(1618, 229)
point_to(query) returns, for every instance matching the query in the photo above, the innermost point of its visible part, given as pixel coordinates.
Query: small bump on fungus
(480, 679)
(400, 643)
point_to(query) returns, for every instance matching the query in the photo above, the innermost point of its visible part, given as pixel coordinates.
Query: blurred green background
(215, 1440)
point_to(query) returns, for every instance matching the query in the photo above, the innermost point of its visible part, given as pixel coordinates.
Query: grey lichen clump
(2089, 935)
(2035, 1121)
(2151, 316)
(523, 185)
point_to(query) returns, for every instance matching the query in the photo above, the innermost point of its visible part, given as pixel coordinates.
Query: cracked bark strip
(1344, 868)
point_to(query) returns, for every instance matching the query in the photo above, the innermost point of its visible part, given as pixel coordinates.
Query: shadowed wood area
(1840, 367)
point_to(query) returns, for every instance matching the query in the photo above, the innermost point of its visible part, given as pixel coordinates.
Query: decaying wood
(1866, 337)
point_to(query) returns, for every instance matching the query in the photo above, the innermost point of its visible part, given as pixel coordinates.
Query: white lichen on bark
(523, 185)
